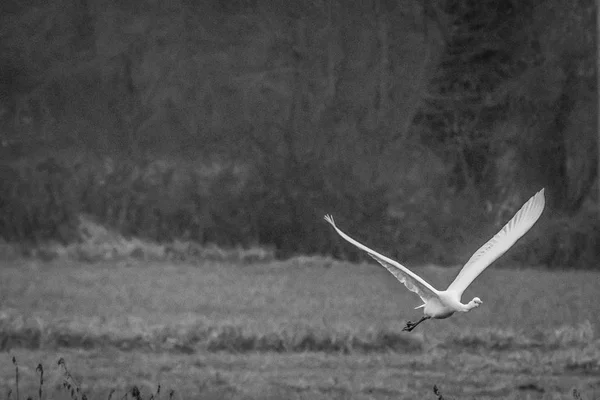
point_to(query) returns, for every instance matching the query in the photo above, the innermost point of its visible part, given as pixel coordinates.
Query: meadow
(301, 328)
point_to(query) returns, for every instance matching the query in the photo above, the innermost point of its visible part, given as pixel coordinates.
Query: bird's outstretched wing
(500, 243)
(412, 281)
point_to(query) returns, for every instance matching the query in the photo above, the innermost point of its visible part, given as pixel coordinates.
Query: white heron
(442, 304)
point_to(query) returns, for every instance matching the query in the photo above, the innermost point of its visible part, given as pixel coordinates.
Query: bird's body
(442, 304)
(446, 304)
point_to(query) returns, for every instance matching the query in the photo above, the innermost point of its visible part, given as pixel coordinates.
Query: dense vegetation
(422, 127)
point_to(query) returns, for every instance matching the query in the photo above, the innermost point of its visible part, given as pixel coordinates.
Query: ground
(306, 328)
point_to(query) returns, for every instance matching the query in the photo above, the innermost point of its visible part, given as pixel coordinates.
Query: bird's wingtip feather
(542, 192)
(542, 197)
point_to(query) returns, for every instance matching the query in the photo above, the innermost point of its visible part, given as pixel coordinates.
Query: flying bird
(442, 304)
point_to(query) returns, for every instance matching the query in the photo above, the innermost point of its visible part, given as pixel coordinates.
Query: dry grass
(281, 326)
(302, 304)
(71, 387)
(97, 243)
(459, 375)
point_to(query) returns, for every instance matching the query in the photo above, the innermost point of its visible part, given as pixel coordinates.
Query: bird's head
(476, 302)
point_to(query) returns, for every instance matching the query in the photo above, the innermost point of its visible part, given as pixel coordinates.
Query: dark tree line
(414, 122)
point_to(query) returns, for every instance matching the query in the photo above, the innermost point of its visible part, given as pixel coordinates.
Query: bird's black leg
(411, 325)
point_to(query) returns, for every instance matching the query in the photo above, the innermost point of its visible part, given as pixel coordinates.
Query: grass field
(303, 328)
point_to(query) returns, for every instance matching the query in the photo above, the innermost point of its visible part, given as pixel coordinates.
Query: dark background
(422, 126)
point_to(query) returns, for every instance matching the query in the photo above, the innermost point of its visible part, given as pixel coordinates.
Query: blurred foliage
(36, 202)
(231, 207)
(408, 121)
(155, 200)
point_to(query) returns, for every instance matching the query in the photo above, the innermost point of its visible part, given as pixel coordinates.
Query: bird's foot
(409, 326)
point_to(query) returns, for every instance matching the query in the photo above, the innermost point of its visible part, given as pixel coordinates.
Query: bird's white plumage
(412, 281)
(441, 304)
(522, 221)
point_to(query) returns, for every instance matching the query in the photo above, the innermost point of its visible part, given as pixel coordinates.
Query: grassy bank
(304, 304)
(305, 328)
